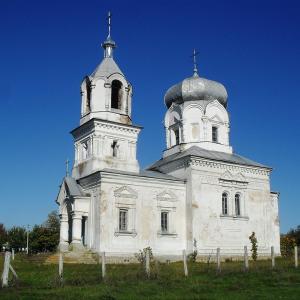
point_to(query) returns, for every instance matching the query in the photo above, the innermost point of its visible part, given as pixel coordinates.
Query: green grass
(40, 281)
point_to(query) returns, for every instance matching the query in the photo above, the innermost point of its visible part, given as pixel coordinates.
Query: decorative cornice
(227, 166)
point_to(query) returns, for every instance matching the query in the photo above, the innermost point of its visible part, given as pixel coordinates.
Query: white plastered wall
(145, 198)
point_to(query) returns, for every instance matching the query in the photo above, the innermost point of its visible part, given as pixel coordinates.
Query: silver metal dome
(196, 88)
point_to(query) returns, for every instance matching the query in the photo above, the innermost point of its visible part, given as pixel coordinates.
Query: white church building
(200, 195)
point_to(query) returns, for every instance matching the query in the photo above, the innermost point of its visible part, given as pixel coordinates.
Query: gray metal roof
(144, 173)
(73, 187)
(212, 155)
(106, 68)
(196, 88)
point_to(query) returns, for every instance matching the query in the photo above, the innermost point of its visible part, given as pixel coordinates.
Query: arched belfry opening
(88, 95)
(116, 94)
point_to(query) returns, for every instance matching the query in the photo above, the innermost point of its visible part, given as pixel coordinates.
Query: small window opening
(88, 96)
(164, 221)
(115, 147)
(176, 132)
(237, 205)
(224, 204)
(215, 134)
(116, 94)
(123, 219)
(85, 150)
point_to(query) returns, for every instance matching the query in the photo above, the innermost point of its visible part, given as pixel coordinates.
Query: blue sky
(47, 47)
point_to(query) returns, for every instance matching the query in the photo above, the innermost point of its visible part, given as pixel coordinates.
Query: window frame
(237, 208)
(225, 209)
(124, 220)
(164, 222)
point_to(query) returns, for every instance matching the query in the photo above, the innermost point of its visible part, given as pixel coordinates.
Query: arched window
(176, 133)
(85, 150)
(237, 203)
(88, 96)
(116, 94)
(224, 204)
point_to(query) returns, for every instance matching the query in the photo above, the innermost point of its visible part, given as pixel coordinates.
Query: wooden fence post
(6, 269)
(60, 266)
(103, 265)
(14, 272)
(147, 263)
(13, 254)
(185, 267)
(218, 260)
(273, 257)
(246, 261)
(296, 257)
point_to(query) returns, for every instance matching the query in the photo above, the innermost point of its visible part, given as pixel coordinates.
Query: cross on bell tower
(108, 44)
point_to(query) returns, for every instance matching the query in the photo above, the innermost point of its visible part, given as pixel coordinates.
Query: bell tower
(106, 138)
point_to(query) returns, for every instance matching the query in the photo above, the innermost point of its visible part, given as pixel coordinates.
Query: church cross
(109, 22)
(67, 167)
(195, 61)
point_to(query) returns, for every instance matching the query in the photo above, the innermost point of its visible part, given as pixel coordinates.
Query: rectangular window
(164, 221)
(123, 219)
(114, 147)
(215, 134)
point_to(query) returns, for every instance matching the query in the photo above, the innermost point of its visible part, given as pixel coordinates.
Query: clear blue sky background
(252, 47)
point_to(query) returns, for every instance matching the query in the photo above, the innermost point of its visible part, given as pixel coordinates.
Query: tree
(52, 221)
(45, 237)
(3, 235)
(16, 237)
(287, 244)
(295, 234)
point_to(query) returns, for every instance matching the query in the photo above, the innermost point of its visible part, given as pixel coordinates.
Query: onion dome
(196, 88)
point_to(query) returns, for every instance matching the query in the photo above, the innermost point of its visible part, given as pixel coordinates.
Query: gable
(166, 195)
(125, 192)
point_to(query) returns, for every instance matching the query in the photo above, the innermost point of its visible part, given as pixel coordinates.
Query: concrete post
(64, 232)
(218, 260)
(13, 254)
(147, 264)
(246, 262)
(60, 266)
(103, 265)
(273, 257)
(296, 257)
(185, 267)
(6, 269)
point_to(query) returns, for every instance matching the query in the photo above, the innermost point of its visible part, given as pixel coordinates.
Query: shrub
(192, 257)
(254, 246)
(141, 256)
(287, 244)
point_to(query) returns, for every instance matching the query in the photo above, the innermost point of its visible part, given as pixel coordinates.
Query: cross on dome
(195, 62)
